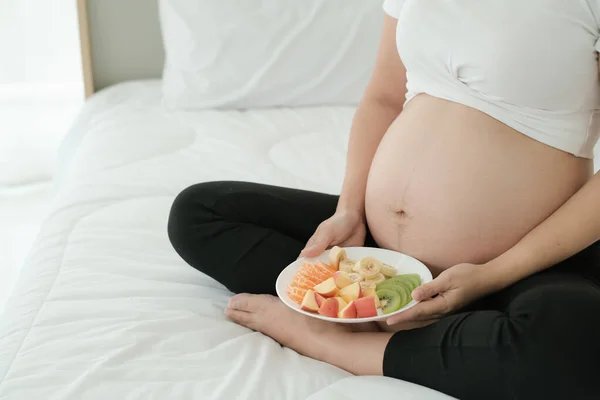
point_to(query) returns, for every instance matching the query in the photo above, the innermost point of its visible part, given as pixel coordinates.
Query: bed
(104, 307)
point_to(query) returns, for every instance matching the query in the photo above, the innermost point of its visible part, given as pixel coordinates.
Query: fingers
(430, 308)
(407, 326)
(428, 290)
(318, 243)
(424, 311)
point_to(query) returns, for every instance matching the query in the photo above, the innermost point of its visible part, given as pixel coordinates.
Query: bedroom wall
(40, 85)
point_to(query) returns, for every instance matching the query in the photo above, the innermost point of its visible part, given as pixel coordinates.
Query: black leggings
(538, 339)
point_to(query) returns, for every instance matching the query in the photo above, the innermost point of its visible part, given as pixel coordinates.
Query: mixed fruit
(345, 288)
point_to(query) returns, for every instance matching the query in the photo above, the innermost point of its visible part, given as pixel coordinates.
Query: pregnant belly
(450, 184)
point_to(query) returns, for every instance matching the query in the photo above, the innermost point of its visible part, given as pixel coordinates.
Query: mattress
(105, 308)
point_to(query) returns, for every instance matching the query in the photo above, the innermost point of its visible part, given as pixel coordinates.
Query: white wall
(39, 41)
(40, 85)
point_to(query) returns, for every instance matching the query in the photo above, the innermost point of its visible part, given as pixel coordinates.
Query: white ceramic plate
(403, 263)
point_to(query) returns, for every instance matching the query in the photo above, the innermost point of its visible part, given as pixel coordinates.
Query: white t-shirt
(531, 64)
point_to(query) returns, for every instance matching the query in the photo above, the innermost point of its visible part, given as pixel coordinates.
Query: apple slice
(309, 303)
(320, 299)
(327, 288)
(348, 312)
(330, 308)
(365, 307)
(341, 302)
(342, 279)
(367, 293)
(351, 292)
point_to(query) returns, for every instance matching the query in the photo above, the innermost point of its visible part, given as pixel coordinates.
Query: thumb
(428, 290)
(317, 244)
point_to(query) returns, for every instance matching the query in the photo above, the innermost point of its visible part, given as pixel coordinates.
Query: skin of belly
(450, 184)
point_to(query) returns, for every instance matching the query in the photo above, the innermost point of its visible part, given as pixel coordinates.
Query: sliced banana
(367, 285)
(347, 265)
(336, 255)
(377, 279)
(356, 277)
(368, 267)
(388, 270)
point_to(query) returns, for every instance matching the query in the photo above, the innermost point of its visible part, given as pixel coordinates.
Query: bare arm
(381, 104)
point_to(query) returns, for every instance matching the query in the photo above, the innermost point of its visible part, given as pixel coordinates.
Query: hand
(455, 288)
(344, 228)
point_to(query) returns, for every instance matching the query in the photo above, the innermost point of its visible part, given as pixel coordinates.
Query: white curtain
(41, 85)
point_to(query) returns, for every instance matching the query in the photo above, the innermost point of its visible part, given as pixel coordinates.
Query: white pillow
(264, 53)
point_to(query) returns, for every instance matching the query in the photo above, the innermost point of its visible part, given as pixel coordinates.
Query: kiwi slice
(410, 280)
(403, 290)
(413, 280)
(390, 300)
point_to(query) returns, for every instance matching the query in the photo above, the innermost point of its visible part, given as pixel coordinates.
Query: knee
(191, 208)
(199, 194)
(558, 347)
(568, 311)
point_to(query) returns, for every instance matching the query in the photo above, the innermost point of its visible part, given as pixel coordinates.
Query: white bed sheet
(106, 309)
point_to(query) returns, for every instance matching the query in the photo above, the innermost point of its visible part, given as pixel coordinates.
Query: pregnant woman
(472, 152)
